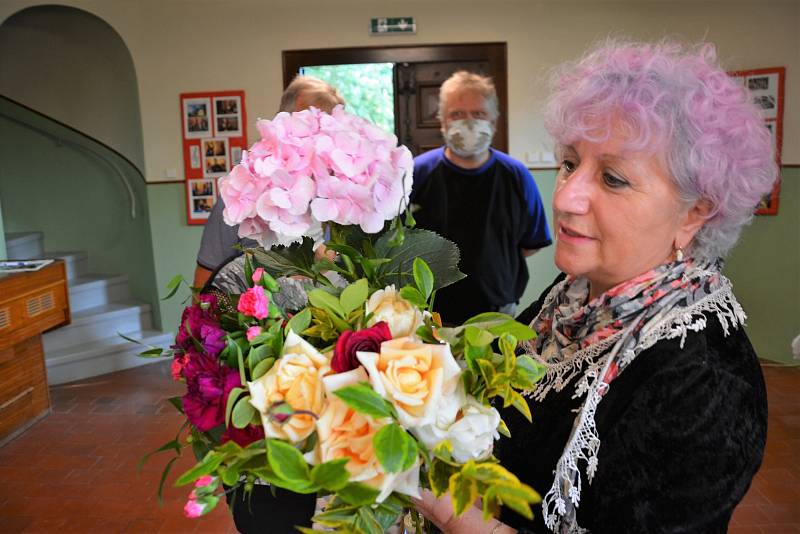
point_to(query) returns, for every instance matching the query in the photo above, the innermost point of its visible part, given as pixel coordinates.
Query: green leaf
(326, 301)
(367, 522)
(395, 449)
(167, 469)
(489, 472)
(177, 402)
(335, 517)
(527, 372)
(438, 253)
(331, 475)
(463, 492)
(358, 494)
(299, 322)
(363, 399)
(487, 371)
(439, 476)
(412, 295)
(248, 270)
(477, 337)
(173, 285)
(262, 368)
(388, 512)
(287, 261)
(444, 451)
(243, 412)
(234, 394)
(209, 464)
(503, 429)
(518, 499)
(287, 462)
(518, 330)
(519, 402)
(257, 355)
(423, 277)
(354, 295)
(489, 317)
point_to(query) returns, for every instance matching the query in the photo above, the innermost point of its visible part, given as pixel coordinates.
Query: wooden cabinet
(30, 304)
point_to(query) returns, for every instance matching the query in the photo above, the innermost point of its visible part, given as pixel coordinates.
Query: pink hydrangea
(254, 302)
(311, 167)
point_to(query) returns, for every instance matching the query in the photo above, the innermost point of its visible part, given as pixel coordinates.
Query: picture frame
(196, 117)
(227, 116)
(766, 86)
(215, 154)
(428, 108)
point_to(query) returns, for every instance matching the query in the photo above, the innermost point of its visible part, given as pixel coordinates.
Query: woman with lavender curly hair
(652, 415)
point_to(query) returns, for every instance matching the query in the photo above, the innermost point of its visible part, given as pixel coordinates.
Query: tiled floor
(75, 471)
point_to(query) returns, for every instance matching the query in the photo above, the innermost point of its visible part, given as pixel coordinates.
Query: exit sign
(390, 26)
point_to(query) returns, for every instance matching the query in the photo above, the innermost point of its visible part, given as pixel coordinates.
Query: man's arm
(528, 252)
(201, 276)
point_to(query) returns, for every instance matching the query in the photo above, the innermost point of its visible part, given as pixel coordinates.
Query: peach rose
(296, 378)
(345, 433)
(413, 376)
(402, 317)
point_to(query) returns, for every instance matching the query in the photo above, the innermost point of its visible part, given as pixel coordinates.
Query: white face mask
(468, 138)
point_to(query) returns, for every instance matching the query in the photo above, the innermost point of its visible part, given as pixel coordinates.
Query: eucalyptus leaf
(232, 397)
(262, 368)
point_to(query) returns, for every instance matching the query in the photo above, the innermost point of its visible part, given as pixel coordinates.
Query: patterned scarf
(595, 340)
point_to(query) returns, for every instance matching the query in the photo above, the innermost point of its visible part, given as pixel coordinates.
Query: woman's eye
(568, 166)
(614, 182)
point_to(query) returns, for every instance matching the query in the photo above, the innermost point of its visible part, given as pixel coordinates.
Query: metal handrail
(60, 141)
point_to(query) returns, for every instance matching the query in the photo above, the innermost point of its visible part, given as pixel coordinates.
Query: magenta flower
(199, 321)
(254, 302)
(243, 436)
(208, 383)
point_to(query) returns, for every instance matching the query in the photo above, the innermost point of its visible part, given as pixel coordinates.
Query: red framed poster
(214, 130)
(766, 87)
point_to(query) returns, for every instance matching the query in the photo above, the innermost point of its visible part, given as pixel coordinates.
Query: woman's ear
(694, 219)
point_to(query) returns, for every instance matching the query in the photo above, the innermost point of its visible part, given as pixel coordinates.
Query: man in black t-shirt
(482, 199)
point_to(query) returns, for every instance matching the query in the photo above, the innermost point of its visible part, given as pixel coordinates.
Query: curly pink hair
(675, 101)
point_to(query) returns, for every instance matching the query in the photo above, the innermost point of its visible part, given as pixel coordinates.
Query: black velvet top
(682, 433)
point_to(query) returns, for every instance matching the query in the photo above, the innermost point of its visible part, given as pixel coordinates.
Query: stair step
(101, 356)
(92, 290)
(24, 245)
(99, 322)
(76, 263)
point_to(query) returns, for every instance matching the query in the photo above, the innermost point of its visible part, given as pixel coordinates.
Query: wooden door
(418, 73)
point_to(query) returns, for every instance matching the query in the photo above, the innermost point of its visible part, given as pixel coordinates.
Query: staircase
(101, 307)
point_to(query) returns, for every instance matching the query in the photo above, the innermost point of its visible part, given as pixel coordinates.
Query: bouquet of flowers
(353, 387)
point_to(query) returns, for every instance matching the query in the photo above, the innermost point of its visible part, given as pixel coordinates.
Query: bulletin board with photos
(766, 86)
(214, 129)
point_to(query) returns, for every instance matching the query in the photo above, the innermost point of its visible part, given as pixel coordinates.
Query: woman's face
(617, 214)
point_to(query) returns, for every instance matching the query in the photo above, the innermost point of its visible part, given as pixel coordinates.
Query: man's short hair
(463, 81)
(315, 93)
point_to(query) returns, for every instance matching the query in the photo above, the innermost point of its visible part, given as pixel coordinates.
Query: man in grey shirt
(219, 239)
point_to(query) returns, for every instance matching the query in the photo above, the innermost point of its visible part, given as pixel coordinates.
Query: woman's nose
(573, 192)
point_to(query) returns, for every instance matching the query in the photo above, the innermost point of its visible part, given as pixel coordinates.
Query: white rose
(296, 378)
(413, 376)
(473, 435)
(345, 433)
(402, 317)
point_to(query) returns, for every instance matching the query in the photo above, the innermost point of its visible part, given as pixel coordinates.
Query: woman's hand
(440, 512)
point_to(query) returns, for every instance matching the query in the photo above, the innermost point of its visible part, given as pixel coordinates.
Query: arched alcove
(71, 151)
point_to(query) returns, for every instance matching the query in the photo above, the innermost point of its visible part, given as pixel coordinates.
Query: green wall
(2, 234)
(764, 268)
(175, 246)
(75, 198)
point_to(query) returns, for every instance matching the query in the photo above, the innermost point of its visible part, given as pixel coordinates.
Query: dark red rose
(367, 340)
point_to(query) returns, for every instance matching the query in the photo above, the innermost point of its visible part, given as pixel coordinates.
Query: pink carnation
(204, 480)
(193, 509)
(257, 275)
(254, 302)
(253, 332)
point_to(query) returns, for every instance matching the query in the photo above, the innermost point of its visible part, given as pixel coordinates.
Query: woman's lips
(570, 235)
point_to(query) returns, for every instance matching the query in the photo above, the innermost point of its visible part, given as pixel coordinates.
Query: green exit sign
(390, 26)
